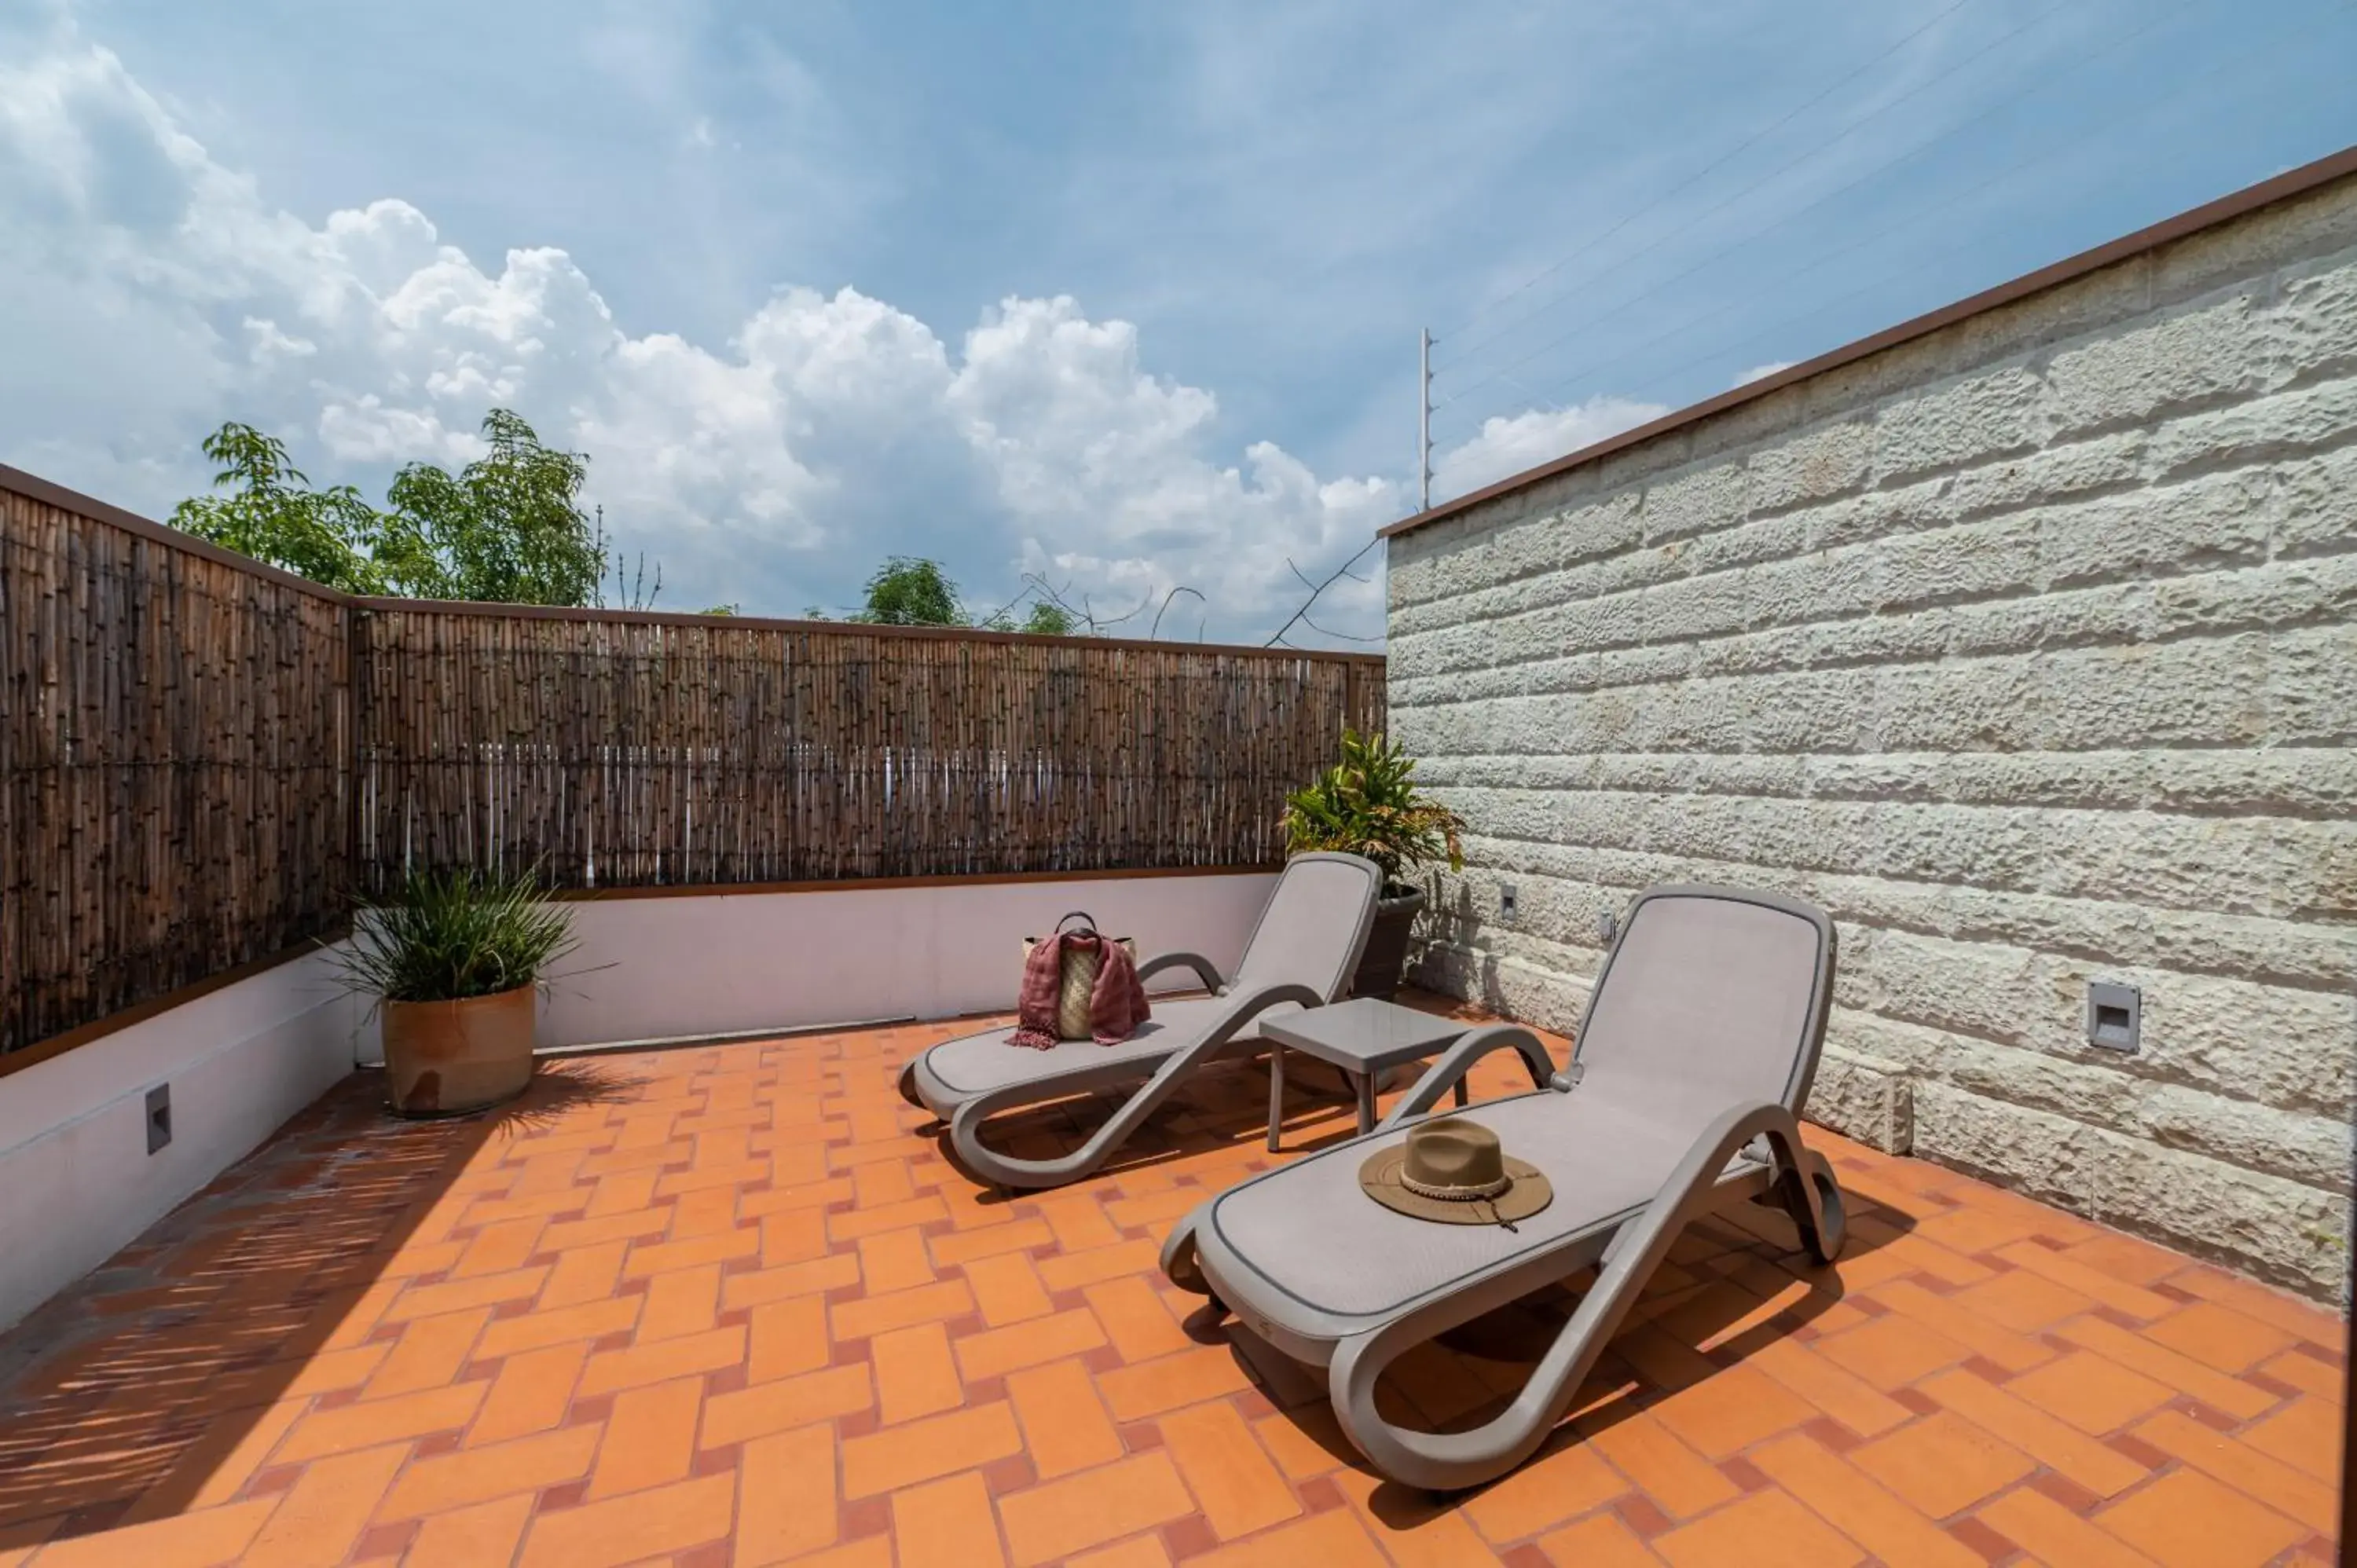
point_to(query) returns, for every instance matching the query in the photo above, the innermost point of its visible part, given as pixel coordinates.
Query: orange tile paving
(733, 1305)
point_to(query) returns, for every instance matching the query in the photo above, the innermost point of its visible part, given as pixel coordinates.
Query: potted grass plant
(1368, 804)
(454, 960)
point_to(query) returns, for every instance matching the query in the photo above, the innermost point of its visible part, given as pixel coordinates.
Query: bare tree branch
(1037, 586)
(1316, 589)
(1086, 611)
(1131, 614)
(1155, 630)
(1345, 636)
(1005, 607)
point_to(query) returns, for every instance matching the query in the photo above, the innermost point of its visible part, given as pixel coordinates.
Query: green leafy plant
(1368, 804)
(445, 936)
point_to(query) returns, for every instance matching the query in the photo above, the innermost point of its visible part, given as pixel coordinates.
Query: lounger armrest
(1234, 1016)
(1203, 967)
(1243, 1006)
(1458, 1060)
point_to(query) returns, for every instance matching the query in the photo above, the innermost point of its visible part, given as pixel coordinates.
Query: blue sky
(1126, 295)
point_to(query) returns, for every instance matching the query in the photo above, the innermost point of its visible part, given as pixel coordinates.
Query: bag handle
(1088, 921)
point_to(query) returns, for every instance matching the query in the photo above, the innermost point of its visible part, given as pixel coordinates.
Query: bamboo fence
(207, 759)
(177, 765)
(615, 753)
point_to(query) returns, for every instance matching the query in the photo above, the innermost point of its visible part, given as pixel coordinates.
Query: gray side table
(1362, 1036)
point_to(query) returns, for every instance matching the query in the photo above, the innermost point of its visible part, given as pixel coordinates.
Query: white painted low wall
(76, 1179)
(722, 963)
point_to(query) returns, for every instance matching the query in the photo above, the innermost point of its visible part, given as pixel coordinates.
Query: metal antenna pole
(1424, 419)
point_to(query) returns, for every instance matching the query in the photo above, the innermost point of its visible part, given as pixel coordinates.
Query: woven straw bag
(1079, 976)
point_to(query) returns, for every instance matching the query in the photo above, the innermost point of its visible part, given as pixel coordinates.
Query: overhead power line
(1736, 151)
(2150, 107)
(2080, 62)
(1754, 187)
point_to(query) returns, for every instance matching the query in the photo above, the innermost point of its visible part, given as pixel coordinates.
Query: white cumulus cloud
(155, 293)
(1506, 445)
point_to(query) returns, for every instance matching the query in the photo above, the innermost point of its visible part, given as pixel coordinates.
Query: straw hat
(1452, 1170)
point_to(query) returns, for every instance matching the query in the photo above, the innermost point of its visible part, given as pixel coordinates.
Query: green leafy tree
(909, 590)
(508, 527)
(1048, 620)
(330, 536)
(1043, 619)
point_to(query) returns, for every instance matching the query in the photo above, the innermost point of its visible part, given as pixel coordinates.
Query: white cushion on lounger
(1310, 1231)
(981, 1062)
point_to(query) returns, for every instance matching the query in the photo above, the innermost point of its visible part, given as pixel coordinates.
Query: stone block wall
(2029, 648)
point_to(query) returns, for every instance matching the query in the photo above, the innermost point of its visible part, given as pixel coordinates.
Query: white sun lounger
(1682, 1099)
(1301, 953)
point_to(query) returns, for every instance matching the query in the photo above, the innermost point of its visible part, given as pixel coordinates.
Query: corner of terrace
(2015, 640)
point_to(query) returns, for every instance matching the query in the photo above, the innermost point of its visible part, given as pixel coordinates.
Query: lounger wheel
(1183, 1267)
(1833, 1226)
(1823, 1231)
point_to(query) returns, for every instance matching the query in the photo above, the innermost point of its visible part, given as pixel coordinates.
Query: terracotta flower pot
(444, 1058)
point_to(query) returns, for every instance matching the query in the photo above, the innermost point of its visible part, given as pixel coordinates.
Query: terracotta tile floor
(729, 1305)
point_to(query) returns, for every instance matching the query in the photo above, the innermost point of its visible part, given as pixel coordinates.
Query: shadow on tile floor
(1728, 1293)
(121, 1397)
(1731, 1286)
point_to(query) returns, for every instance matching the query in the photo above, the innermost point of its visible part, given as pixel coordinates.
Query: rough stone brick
(2319, 511)
(2314, 1150)
(2312, 699)
(2291, 422)
(1690, 608)
(2100, 614)
(2216, 520)
(2282, 1231)
(1693, 503)
(2052, 1158)
(1771, 539)
(1823, 585)
(2054, 474)
(1864, 1098)
(1993, 414)
(2294, 232)
(2183, 360)
(2315, 326)
(1811, 465)
(1976, 560)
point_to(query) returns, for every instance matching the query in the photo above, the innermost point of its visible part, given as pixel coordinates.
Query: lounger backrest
(1315, 925)
(1712, 996)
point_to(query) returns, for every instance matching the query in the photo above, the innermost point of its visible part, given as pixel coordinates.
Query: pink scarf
(1116, 1004)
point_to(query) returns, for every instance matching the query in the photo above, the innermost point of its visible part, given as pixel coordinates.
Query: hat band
(1455, 1193)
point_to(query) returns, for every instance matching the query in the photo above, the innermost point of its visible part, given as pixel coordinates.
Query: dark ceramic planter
(1386, 951)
